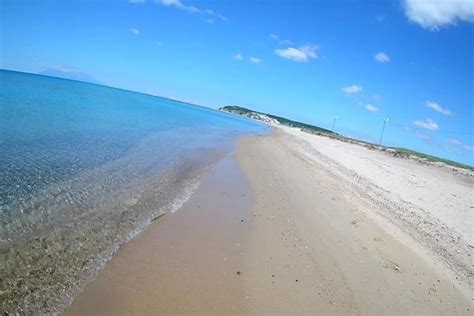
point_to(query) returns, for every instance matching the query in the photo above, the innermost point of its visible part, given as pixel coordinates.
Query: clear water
(82, 169)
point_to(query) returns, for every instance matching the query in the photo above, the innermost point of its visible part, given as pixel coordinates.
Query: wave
(59, 240)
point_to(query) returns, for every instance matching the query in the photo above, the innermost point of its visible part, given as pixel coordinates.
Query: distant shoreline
(397, 152)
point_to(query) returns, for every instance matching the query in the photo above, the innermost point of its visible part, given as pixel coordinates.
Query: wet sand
(185, 262)
(278, 234)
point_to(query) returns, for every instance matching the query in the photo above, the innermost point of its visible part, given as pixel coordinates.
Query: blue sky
(407, 60)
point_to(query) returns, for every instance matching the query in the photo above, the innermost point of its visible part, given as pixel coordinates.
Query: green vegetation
(237, 110)
(284, 121)
(397, 152)
(408, 152)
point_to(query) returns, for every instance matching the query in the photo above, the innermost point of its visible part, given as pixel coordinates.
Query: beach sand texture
(309, 225)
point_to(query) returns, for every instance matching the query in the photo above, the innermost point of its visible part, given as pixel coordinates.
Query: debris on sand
(392, 265)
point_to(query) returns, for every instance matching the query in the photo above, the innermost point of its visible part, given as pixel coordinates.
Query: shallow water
(82, 169)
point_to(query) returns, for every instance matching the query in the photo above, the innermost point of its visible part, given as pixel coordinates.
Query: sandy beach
(295, 223)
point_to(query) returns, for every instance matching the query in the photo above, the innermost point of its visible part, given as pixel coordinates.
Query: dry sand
(433, 203)
(310, 226)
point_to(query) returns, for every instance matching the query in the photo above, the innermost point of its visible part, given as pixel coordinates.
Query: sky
(355, 63)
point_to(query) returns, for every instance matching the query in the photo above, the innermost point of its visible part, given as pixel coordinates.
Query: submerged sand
(185, 262)
(295, 230)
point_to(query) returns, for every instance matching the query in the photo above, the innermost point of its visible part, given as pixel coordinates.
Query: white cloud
(372, 108)
(428, 124)
(192, 9)
(177, 4)
(457, 142)
(380, 18)
(432, 14)
(352, 89)
(220, 16)
(255, 60)
(292, 53)
(310, 50)
(454, 142)
(468, 148)
(301, 54)
(282, 42)
(238, 56)
(135, 31)
(438, 108)
(382, 57)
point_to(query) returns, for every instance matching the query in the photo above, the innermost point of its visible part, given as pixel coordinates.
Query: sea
(83, 169)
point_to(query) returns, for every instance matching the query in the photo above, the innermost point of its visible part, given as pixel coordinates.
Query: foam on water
(84, 168)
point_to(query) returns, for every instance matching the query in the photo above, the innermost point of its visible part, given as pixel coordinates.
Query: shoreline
(184, 262)
(306, 244)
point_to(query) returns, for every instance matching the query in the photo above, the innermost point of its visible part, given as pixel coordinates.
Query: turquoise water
(83, 168)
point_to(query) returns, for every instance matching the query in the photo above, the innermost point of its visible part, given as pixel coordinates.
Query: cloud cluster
(382, 57)
(460, 144)
(135, 31)
(301, 54)
(177, 4)
(438, 108)
(432, 14)
(352, 89)
(282, 42)
(371, 108)
(253, 60)
(238, 56)
(428, 124)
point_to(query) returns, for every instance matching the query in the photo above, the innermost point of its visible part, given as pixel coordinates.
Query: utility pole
(385, 120)
(334, 123)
